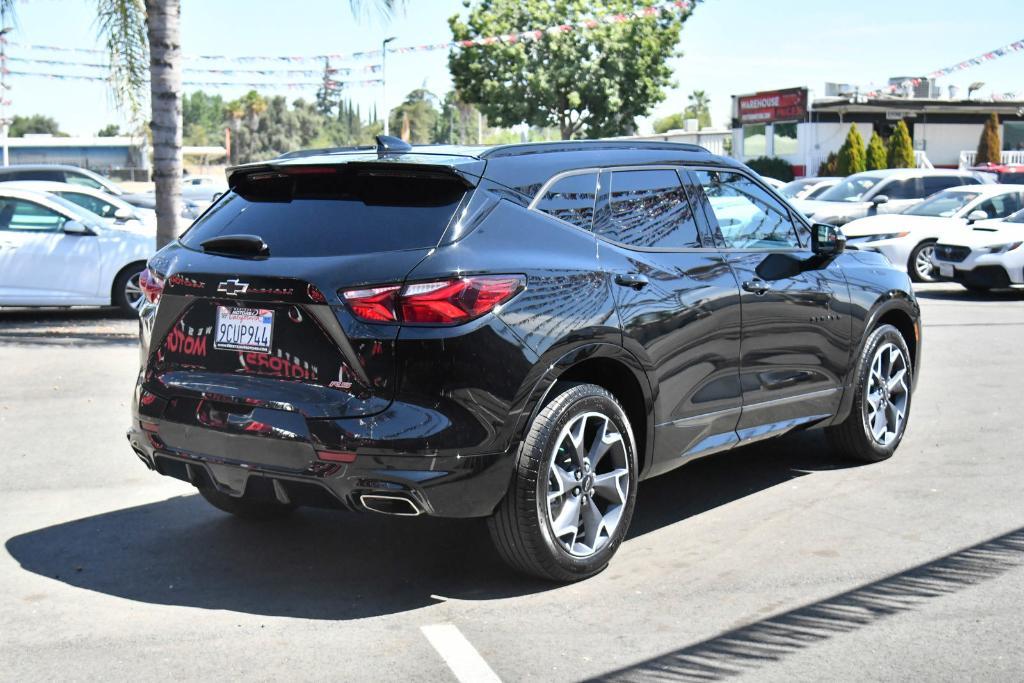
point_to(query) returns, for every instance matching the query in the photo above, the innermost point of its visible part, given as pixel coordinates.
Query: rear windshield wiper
(248, 246)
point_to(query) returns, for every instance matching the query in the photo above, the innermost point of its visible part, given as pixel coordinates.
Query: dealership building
(790, 125)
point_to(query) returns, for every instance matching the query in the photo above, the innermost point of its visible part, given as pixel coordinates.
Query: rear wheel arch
(613, 369)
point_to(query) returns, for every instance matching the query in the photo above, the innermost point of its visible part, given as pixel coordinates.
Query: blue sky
(729, 46)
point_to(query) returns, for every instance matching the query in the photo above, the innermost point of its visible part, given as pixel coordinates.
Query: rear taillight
(443, 302)
(152, 285)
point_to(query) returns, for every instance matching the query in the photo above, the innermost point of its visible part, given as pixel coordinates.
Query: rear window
(328, 211)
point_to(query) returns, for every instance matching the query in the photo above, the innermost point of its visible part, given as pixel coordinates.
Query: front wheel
(881, 400)
(920, 265)
(574, 489)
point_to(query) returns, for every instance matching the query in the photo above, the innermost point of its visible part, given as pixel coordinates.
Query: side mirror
(827, 240)
(77, 228)
(976, 215)
(124, 215)
(880, 199)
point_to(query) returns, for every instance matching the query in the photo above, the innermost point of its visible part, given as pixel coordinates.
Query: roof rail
(583, 145)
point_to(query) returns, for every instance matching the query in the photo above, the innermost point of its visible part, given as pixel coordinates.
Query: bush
(851, 158)
(773, 167)
(876, 153)
(828, 167)
(901, 150)
(989, 149)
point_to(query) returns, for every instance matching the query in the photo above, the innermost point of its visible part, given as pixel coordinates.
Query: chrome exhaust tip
(390, 505)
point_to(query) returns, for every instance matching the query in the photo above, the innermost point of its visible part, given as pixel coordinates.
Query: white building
(786, 124)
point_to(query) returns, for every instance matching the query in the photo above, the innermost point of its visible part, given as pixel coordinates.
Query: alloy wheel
(588, 484)
(133, 291)
(923, 263)
(887, 394)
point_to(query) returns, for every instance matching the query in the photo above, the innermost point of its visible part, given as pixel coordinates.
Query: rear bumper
(289, 470)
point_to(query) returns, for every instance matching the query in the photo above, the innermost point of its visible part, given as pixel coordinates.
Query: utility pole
(384, 80)
(5, 123)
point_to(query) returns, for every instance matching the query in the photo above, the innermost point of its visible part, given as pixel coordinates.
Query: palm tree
(143, 39)
(699, 107)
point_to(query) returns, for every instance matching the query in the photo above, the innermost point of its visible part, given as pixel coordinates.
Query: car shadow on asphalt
(322, 564)
(77, 327)
(961, 294)
(746, 649)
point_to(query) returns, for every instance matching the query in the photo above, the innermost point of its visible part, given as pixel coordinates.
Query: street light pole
(384, 81)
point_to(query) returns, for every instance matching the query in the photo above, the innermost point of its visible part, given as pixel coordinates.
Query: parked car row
(71, 237)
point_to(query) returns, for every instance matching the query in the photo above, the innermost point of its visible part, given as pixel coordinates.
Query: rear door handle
(756, 286)
(635, 281)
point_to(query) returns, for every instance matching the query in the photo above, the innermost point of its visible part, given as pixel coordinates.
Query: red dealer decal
(192, 343)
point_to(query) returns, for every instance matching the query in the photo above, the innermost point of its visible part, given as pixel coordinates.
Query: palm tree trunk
(163, 19)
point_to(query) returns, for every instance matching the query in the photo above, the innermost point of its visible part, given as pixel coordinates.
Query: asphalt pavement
(773, 563)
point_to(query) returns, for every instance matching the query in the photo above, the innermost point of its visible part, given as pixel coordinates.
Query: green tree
(592, 82)
(900, 151)
(828, 166)
(111, 130)
(202, 118)
(989, 147)
(670, 122)
(459, 121)
(422, 115)
(699, 108)
(851, 157)
(876, 153)
(34, 124)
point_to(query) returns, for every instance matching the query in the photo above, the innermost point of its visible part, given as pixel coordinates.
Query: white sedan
(114, 210)
(908, 239)
(54, 253)
(989, 255)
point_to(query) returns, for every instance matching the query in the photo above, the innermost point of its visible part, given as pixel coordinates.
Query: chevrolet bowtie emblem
(233, 287)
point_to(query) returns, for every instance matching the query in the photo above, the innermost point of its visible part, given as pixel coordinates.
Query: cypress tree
(828, 167)
(876, 153)
(851, 158)
(901, 150)
(989, 148)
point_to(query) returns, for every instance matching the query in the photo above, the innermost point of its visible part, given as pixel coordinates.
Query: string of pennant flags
(330, 70)
(983, 58)
(672, 6)
(330, 84)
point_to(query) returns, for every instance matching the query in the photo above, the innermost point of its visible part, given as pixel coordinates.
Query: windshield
(944, 204)
(83, 215)
(794, 187)
(1016, 218)
(851, 189)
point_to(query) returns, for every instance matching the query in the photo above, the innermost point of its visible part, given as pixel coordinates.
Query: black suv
(520, 332)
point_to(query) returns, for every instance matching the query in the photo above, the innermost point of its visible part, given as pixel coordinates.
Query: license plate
(945, 270)
(243, 329)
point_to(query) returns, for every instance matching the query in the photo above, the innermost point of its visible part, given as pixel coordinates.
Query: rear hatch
(268, 327)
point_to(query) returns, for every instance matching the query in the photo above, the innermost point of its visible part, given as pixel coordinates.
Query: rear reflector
(442, 302)
(336, 456)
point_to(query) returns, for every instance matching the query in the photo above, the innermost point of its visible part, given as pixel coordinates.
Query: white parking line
(459, 654)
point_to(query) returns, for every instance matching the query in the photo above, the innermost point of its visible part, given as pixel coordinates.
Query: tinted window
(933, 184)
(572, 199)
(38, 174)
(1000, 206)
(84, 180)
(90, 203)
(908, 188)
(334, 212)
(18, 214)
(649, 209)
(1012, 178)
(748, 217)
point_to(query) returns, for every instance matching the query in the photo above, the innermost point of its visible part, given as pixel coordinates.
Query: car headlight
(1003, 248)
(886, 236)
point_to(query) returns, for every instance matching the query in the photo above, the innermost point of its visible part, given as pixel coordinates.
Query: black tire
(853, 438)
(912, 261)
(246, 509)
(119, 294)
(520, 527)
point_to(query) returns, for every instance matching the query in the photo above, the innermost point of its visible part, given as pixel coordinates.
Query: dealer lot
(779, 562)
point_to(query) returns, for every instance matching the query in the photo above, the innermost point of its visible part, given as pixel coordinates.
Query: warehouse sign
(774, 105)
